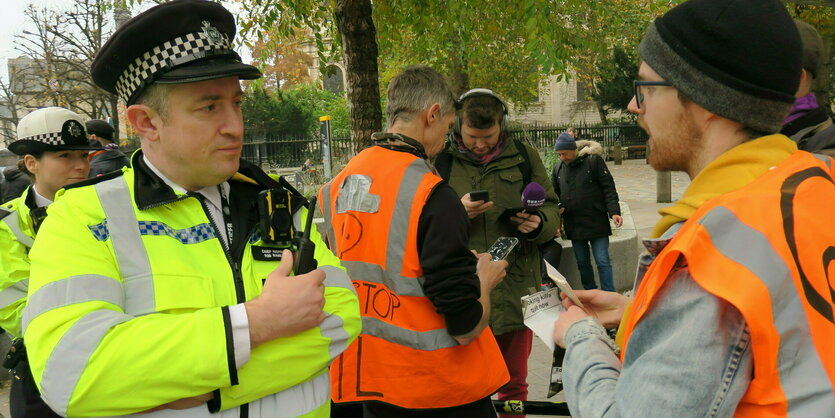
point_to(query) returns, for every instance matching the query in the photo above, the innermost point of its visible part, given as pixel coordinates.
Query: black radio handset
(303, 262)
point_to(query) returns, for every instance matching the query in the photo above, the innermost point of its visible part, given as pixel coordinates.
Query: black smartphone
(482, 195)
(502, 247)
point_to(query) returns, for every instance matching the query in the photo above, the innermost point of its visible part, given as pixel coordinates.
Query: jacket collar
(150, 190)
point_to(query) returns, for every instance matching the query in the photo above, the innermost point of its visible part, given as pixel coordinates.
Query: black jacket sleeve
(607, 186)
(449, 268)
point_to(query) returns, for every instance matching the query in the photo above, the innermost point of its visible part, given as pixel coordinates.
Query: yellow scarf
(732, 171)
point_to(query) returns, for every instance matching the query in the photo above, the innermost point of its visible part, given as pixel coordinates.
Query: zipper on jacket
(238, 280)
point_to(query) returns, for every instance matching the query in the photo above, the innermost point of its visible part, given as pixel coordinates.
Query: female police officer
(53, 147)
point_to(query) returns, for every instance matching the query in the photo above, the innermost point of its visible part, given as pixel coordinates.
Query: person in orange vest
(734, 300)
(402, 234)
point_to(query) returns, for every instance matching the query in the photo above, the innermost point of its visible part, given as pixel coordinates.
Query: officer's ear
(145, 120)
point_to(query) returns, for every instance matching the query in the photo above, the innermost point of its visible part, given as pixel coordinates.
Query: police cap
(182, 41)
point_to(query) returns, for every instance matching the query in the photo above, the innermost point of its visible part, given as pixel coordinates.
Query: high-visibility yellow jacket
(129, 302)
(16, 238)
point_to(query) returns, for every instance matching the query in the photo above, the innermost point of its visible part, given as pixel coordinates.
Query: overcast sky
(13, 22)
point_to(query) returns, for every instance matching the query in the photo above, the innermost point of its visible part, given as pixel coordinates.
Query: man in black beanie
(733, 307)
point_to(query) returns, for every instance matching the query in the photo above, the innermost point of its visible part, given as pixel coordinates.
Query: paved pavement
(636, 184)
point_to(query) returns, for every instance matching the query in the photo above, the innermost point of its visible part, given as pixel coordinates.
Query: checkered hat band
(166, 55)
(52, 138)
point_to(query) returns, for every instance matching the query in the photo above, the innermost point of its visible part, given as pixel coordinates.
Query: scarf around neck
(731, 171)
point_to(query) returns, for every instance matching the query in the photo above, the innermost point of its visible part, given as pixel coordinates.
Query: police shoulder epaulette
(4, 213)
(94, 180)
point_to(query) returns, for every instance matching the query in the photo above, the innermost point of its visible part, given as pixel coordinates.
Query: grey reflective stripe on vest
(802, 376)
(370, 272)
(826, 159)
(130, 252)
(336, 277)
(11, 220)
(70, 356)
(325, 207)
(72, 290)
(399, 224)
(435, 339)
(333, 327)
(14, 293)
(301, 399)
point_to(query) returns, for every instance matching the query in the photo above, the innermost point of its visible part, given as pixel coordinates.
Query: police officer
(53, 148)
(157, 288)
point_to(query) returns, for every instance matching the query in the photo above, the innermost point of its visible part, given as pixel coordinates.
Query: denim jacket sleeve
(689, 356)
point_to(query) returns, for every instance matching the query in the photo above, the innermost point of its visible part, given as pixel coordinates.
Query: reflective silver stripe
(336, 277)
(399, 223)
(72, 290)
(301, 399)
(370, 272)
(14, 293)
(825, 159)
(325, 207)
(802, 376)
(333, 328)
(12, 221)
(435, 339)
(130, 252)
(69, 357)
(355, 195)
(304, 398)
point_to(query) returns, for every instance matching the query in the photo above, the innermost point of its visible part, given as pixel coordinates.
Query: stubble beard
(675, 150)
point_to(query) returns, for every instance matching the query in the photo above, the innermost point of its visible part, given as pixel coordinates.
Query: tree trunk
(113, 101)
(359, 45)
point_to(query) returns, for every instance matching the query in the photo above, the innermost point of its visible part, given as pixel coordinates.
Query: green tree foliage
(292, 113)
(613, 90)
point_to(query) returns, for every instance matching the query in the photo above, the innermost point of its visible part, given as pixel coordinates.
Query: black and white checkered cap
(181, 41)
(178, 51)
(52, 138)
(50, 129)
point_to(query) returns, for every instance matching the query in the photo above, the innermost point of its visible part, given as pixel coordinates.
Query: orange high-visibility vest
(768, 249)
(404, 356)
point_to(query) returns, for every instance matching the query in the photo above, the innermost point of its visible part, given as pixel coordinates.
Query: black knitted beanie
(739, 59)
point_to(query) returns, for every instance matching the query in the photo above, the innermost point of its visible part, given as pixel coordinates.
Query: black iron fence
(543, 137)
(277, 151)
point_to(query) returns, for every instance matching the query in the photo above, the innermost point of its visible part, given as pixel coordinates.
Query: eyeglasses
(639, 97)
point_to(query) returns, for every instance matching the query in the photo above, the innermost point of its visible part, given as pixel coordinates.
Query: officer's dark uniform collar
(150, 190)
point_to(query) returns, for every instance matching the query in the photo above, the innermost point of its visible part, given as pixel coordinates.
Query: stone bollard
(663, 187)
(618, 153)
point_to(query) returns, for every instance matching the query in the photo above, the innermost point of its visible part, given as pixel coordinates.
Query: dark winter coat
(107, 161)
(587, 192)
(16, 182)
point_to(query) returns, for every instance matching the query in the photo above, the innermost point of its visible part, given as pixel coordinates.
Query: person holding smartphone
(489, 172)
